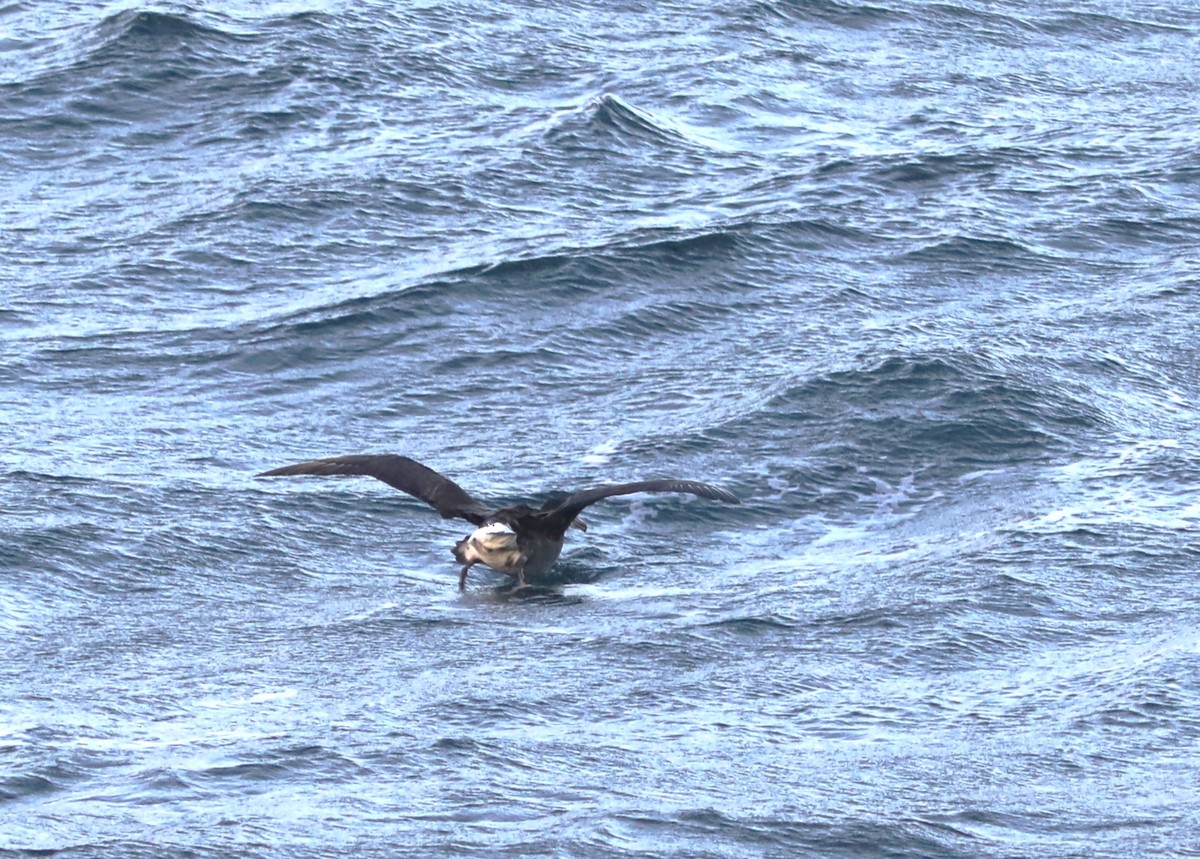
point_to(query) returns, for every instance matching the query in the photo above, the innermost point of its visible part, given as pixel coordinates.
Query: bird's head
(494, 537)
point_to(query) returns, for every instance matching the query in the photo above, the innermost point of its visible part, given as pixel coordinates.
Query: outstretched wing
(566, 511)
(441, 493)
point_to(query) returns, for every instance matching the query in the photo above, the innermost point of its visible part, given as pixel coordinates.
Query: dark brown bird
(520, 541)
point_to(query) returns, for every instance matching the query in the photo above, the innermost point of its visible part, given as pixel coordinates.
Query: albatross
(519, 540)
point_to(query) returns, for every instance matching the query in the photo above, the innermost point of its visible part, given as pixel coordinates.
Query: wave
(156, 77)
(15, 787)
(977, 25)
(144, 45)
(540, 282)
(857, 16)
(1094, 26)
(699, 830)
(974, 25)
(1115, 231)
(567, 274)
(78, 48)
(978, 254)
(941, 167)
(613, 125)
(753, 625)
(136, 30)
(923, 419)
(303, 761)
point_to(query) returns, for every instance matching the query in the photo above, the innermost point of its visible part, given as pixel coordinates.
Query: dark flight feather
(439, 492)
(570, 507)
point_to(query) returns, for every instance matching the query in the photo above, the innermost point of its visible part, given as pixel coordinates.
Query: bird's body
(520, 541)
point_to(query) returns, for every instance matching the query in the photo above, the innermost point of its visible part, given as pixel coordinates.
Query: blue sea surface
(919, 282)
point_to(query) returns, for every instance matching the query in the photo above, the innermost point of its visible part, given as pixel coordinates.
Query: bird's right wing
(441, 493)
(565, 512)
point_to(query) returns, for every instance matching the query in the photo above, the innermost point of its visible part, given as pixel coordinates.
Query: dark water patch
(670, 514)
(685, 252)
(132, 848)
(153, 786)
(13, 319)
(78, 558)
(923, 172)
(1186, 289)
(1184, 173)
(569, 271)
(986, 824)
(344, 55)
(784, 238)
(311, 762)
(957, 650)
(548, 360)
(546, 589)
(45, 779)
(852, 721)
(630, 331)
(395, 623)
(17, 787)
(50, 482)
(127, 366)
(1160, 702)
(1009, 594)
(465, 751)
(1104, 547)
(226, 232)
(867, 618)
(285, 206)
(505, 709)
(1153, 231)
(487, 294)
(428, 304)
(817, 486)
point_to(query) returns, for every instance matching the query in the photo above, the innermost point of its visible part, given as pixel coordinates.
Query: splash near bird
(519, 541)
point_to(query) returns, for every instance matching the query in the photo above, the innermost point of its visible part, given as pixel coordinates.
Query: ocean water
(917, 281)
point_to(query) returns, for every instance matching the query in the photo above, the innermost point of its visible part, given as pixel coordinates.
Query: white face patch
(496, 545)
(493, 537)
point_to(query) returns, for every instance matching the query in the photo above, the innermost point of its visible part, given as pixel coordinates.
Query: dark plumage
(518, 540)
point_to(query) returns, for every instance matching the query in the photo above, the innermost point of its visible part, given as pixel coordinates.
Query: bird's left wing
(439, 492)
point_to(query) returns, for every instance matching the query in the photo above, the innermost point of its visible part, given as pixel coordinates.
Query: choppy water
(918, 281)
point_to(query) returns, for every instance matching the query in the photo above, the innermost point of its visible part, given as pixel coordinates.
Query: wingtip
(716, 493)
(725, 495)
